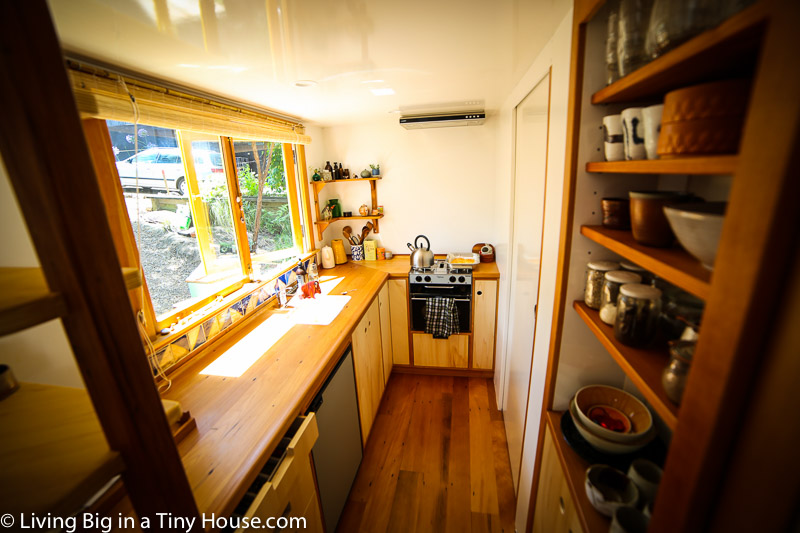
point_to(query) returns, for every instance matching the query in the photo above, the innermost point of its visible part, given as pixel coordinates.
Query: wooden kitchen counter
(240, 420)
(398, 266)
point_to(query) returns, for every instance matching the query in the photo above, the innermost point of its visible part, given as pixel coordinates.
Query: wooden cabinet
(452, 352)
(386, 331)
(556, 512)
(368, 362)
(398, 314)
(288, 489)
(484, 313)
(745, 286)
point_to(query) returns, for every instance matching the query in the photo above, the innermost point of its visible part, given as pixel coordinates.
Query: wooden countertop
(240, 420)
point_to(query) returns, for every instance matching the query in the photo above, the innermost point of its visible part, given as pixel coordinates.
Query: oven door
(460, 293)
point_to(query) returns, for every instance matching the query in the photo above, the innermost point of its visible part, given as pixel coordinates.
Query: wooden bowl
(707, 100)
(594, 396)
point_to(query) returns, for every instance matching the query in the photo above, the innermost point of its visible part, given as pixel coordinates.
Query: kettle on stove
(421, 257)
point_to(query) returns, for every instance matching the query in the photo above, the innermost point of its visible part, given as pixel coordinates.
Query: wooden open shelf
(25, 300)
(574, 468)
(642, 366)
(729, 50)
(322, 225)
(721, 164)
(53, 454)
(673, 264)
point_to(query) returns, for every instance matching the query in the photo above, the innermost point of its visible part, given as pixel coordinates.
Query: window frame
(113, 195)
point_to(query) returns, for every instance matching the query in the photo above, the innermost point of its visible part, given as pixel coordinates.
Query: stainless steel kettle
(421, 257)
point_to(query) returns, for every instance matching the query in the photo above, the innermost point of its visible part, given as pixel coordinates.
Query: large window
(208, 213)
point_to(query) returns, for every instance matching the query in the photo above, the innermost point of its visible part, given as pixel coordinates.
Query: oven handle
(454, 299)
(440, 287)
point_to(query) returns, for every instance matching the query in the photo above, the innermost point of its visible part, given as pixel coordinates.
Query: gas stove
(441, 273)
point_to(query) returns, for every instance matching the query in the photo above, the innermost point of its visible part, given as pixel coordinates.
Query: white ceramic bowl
(608, 489)
(698, 227)
(637, 413)
(604, 445)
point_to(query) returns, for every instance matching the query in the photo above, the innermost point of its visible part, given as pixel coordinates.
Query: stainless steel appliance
(337, 452)
(440, 280)
(421, 257)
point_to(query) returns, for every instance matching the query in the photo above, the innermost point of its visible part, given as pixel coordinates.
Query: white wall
(437, 182)
(555, 55)
(41, 354)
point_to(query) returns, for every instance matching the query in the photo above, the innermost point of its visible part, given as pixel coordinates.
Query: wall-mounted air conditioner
(444, 120)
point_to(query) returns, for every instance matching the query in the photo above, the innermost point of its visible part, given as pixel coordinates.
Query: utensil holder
(357, 251)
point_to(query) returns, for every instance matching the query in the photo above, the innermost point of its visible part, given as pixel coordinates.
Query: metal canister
(638, 309)
(673, 379)
(595, 274)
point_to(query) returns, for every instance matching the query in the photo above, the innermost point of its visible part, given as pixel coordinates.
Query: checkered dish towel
(441, 317)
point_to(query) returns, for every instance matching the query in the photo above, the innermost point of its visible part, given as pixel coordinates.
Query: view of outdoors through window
(262, 182)
(180, 214)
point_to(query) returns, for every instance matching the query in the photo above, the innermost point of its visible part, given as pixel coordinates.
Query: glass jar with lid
(595, 274)
(638, 309)
(608, 299)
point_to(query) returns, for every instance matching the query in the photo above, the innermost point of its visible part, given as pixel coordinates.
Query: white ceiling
(430, 53)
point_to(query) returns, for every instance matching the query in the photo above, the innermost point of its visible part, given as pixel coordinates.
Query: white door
(531, 119)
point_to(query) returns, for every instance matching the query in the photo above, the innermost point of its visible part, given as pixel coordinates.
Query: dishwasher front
(337, 452)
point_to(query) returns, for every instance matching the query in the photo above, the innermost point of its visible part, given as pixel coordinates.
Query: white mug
(632, 132)
(646, 475)
(612, 138)
(651, 123)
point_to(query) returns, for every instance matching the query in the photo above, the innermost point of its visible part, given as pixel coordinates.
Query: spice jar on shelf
(595, 272)
(674, 377)
(608, 299)
(638, 310)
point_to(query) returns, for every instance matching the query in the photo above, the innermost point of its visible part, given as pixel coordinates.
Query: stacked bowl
(611, 420)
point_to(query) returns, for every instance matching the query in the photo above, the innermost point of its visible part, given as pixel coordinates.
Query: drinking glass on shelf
(632, 28)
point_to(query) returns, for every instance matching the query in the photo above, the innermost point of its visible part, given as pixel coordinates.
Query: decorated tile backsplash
(203, 332)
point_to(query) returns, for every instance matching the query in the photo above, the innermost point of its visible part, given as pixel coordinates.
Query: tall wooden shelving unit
(61, 445)
(742, 295)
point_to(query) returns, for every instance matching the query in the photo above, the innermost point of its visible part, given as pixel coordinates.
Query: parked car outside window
(162, 168)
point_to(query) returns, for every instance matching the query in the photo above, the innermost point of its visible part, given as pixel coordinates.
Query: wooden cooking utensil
(347, 232)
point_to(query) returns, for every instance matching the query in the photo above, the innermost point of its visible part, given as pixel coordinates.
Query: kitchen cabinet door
(483, 326)
(555, 512)
(452, 352)
(386, 331)
(398, 312)
(368, 362)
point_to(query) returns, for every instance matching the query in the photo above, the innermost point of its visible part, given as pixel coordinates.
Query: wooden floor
(436, 461)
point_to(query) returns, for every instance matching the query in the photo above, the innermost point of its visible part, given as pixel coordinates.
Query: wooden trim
(309, 221)
(237, 208)
(713, 165)
(49, 166)
(437, 371)
(565, 244)
(291, 189)
(99, 141)
(199, 213)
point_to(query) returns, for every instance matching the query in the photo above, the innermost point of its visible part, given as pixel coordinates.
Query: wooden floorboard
(436, 460)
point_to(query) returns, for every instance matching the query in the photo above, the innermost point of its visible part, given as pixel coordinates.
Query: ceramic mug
(646, 475)
(651, 123)
(357, 251)
(612, 138)
(632, 133)
(629, 520)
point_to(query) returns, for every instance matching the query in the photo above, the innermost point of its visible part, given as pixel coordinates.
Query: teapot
(421, 257)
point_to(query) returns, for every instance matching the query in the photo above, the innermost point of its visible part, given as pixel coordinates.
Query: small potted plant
(376, 170)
